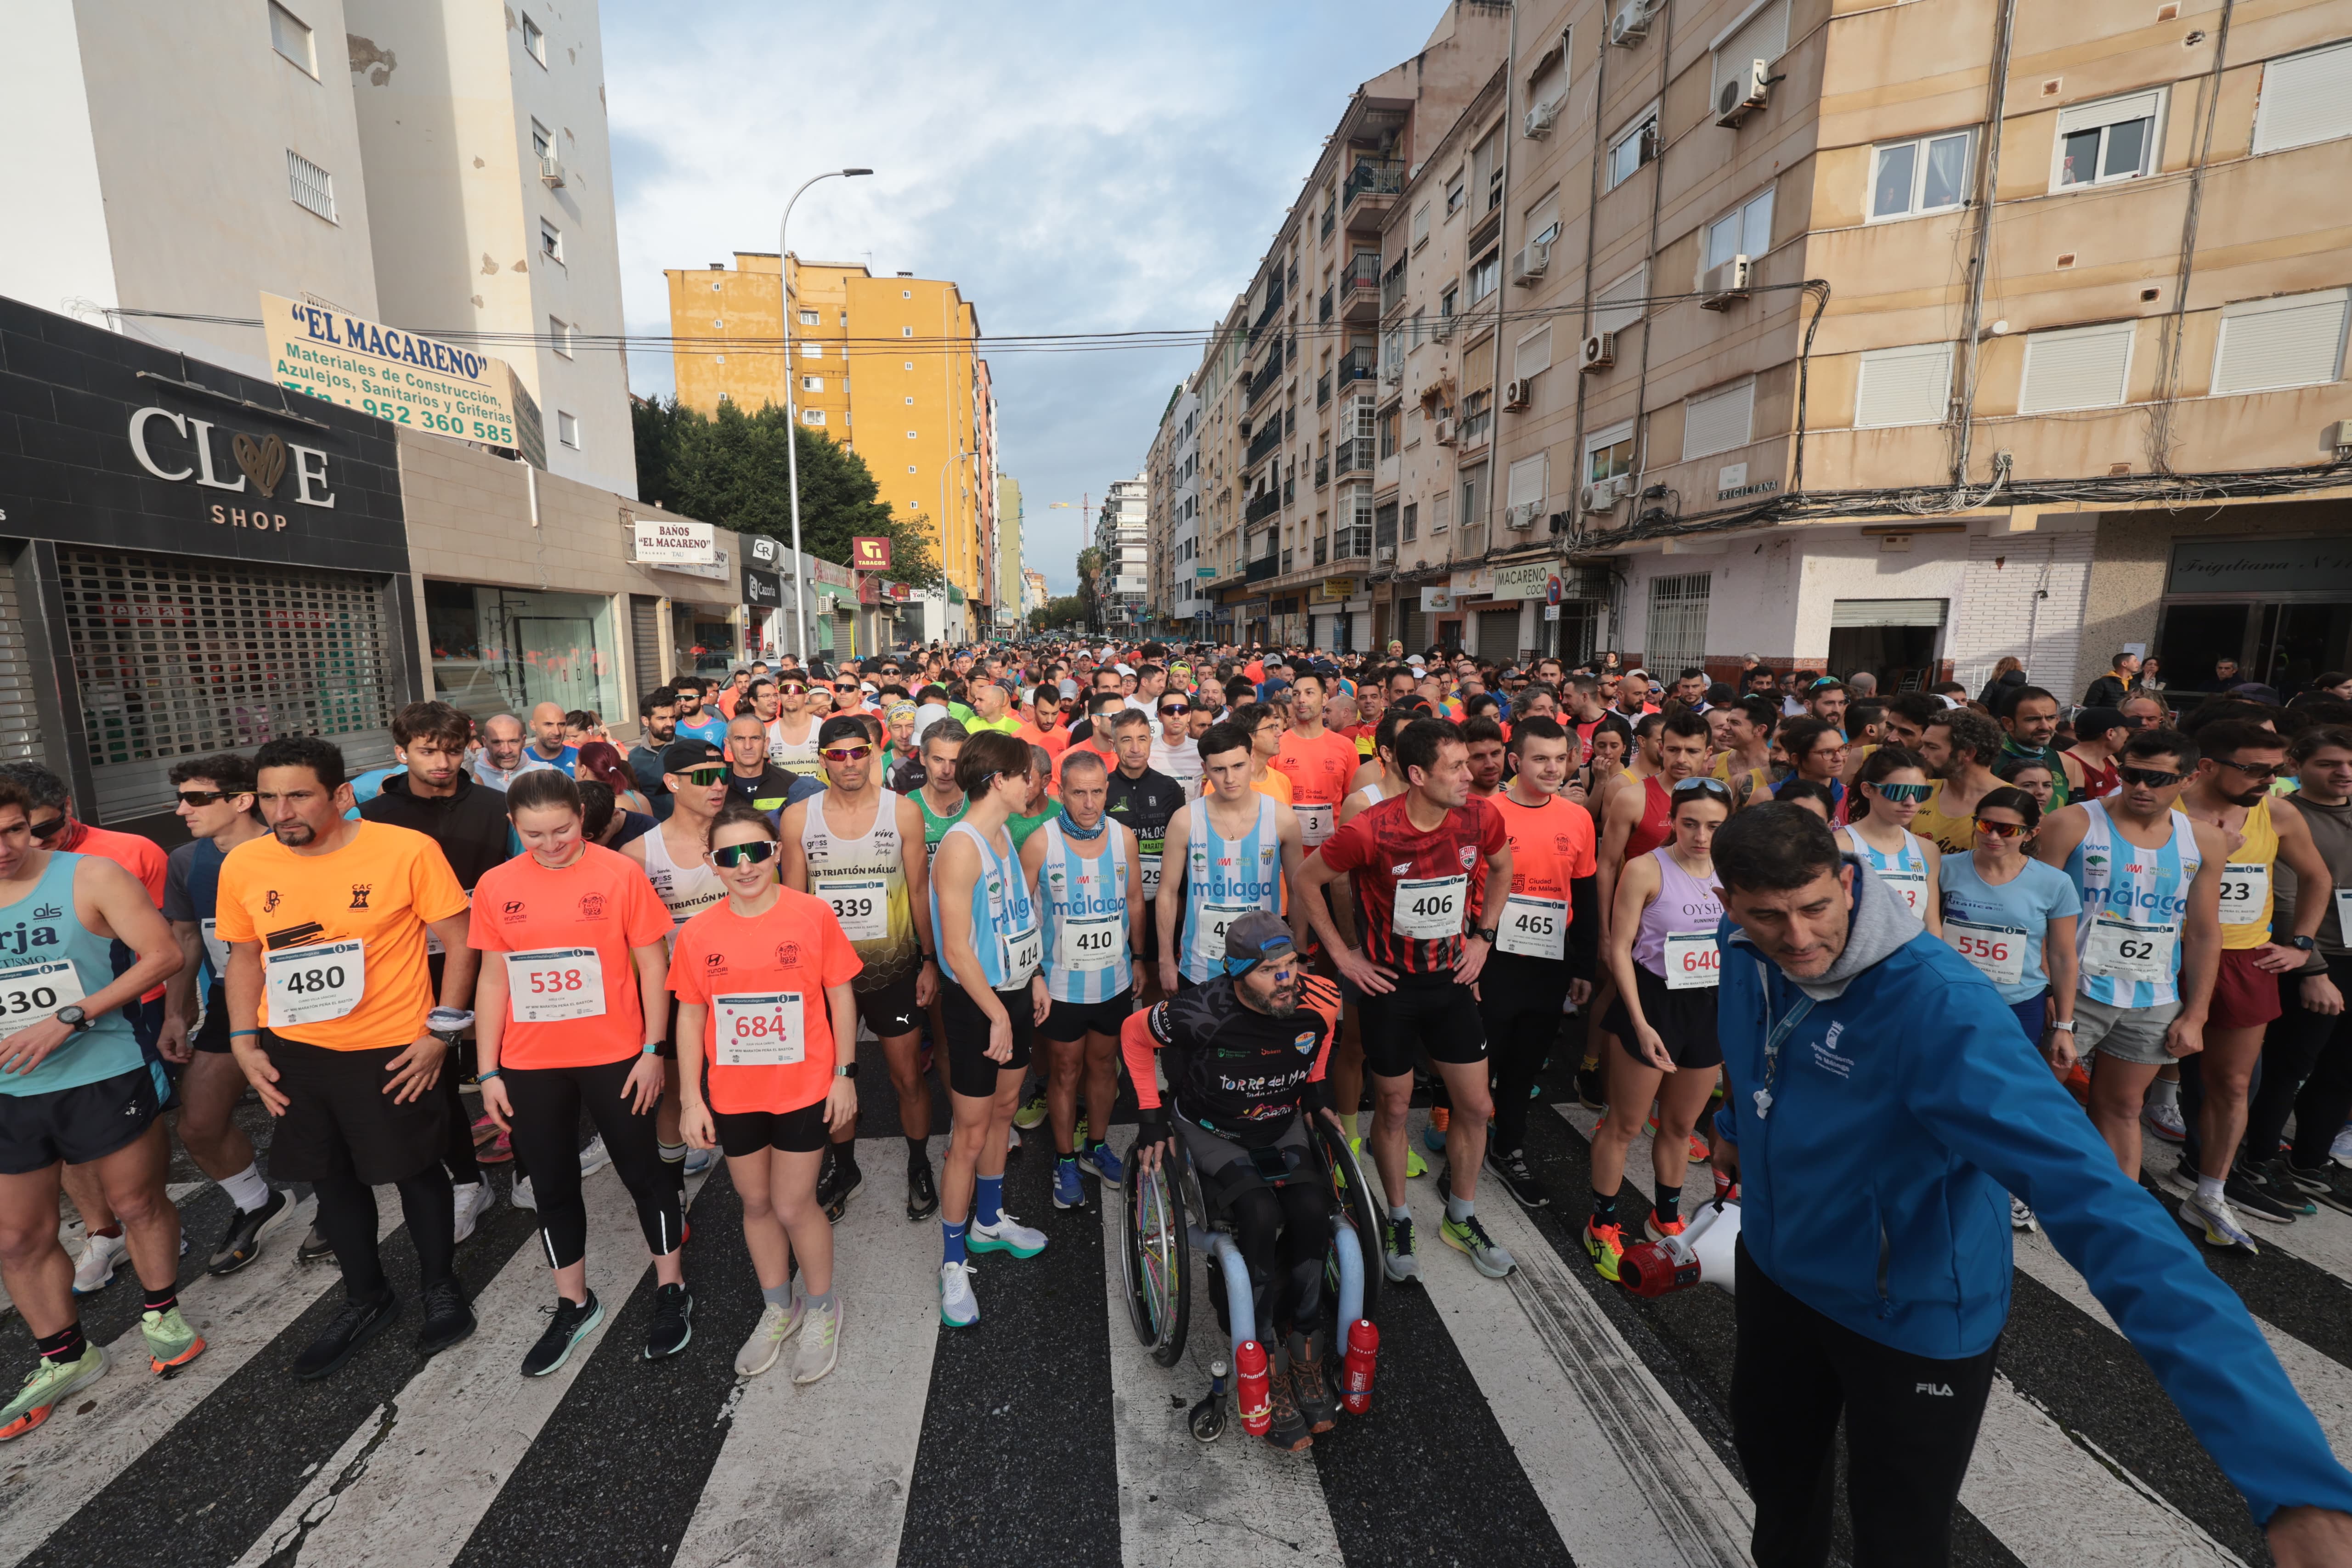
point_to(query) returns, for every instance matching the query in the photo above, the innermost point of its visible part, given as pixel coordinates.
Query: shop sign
(1207, 574)
(2261, 567)
(1339, 588)
(1438, 598)
(715, 568)
(662, 541)
(1470, 583)
(870, 555)
(762, 549)
(265, 465)
(763, 589)
(1526, 580)
(404, 377)
(825, 573)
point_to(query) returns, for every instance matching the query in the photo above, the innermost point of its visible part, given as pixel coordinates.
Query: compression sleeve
(1140, 1049)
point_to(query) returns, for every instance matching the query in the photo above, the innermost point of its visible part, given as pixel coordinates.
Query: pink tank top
(1684, 904)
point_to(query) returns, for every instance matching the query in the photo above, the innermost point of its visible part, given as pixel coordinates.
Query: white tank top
(793, 755)
(684, 891)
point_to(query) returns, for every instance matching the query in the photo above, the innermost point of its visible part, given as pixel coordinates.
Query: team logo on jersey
(1401, 868)
(1306, 1042)
(360, 891)
(713, 961)
(1563, 845)
(48, 912)
(1266, 856)
(591, 907)
(270, 902)
(512, 909)
(788, 953)
(2095, 862)
(1469, 855)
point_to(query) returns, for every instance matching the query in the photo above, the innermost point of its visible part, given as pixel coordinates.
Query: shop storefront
(2280, 607)
(198, 562)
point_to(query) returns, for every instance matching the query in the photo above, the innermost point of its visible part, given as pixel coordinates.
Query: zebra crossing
(1547, 1418)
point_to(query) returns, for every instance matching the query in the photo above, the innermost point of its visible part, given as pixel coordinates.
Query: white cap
(1125, 670)
(1417, 662)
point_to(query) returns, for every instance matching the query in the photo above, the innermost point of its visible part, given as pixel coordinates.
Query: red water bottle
(1356, 1371)
(1252, 1388)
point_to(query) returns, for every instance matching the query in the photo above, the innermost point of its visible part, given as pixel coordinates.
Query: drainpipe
(1988, 189)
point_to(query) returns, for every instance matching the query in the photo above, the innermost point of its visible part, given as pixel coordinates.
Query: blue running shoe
(1069, 1192)
(1098, 1161)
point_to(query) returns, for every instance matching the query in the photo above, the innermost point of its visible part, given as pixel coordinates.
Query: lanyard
(1773, 1041)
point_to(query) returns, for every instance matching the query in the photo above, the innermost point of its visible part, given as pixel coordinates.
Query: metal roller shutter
(1888, 612)
(645, 642)
(1498, 633)
(20, 721)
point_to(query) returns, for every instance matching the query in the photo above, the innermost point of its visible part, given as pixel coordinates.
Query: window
(1440, 513)
(310, 185)
(290, 37)
(2114, 140)
(1677, 637)
(1543, 220)
(1530, 481)
(1486, 171)
(1446, 301)
(2076, 367)
(911, 363)
(1910, 386)
(810, 319)
(1485, 275)
(1409, 523)
(542, 141)
(2306, 97)
(560, 336)
(551, 241)
(1765, 37)
(1633, 146)
(1719, 421)
(812, 350)
(910, 435)
(906, 293)
(2296, 341)
(1620, 305)
(910, 468)
(1924, 174)
(567, 429)
(811, 415)
(534, 42)
(1549, 87)
(1609, 453)
(910, 402)
(812, 384)
(1474, 496)
(1453, 195)
(1420, 225)
(1532, 356)
(1746, 230)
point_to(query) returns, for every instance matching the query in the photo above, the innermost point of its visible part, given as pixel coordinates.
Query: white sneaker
(820, 1347)
(776, 1325)
(2341, 1150)
(472, 1199)
(100, 1257)
(521, 1196)
(2164, 1121)
(595, 1158)
(958, 1308)
(1011, 1139)
(1007, 1235)
(2020, 1217)
(2219, 1221)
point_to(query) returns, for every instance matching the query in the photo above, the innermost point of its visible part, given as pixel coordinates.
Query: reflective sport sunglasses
(703, 778)
(1715, 787)
(2262, 775)
(1902, 794)
(757, 852)
(2150, 778)
(845, 754)
(2001, 829)
(1172, 710)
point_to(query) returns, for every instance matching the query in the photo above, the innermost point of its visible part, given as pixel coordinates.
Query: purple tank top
(1684, 904)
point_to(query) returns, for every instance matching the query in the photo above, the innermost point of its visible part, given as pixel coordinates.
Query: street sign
(870, 555)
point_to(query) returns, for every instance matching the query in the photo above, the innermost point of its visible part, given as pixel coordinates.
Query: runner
(76, 1088)
(656, 728)
(1037, 805)
(1142, 799)
(2029, 725)
(1174, 752)
(695, 773)
(1264, 726)
(1887, 793)
(570, 1016)
(328, 917)
(1636, 815)
(1485, 741)
(1411, 858)
(767, 1031)
(1318, 762)
(217, 802)
(940, 798)
(2014, 917)
(1239, 850)
(1747, 731)
(752, 776)
(694, 722)
(2099, 737)
(791, 739)
(1815, 752)
(853, 846)
(1959, 748)
(1086, 871)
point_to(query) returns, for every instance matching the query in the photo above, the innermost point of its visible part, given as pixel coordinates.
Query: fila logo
(1938, 1390)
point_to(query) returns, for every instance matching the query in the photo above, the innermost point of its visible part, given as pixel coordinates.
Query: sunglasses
(50, 828)
(1172, 710)
(1715, 787)
(703, 778)
(845, 754)
(795, 690)
(2001, 829)
(198, 796)
(2150, 778)
(2262, 775)
(1902, 794)
(758, 852)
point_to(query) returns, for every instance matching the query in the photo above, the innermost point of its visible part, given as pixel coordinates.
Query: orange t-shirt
(1062, 762)
(1275, 785)
(601, 902)
(1552, 846)
(142, 858)
(796, 947)
(1056, 739)
(381, 889)
(1319, 769)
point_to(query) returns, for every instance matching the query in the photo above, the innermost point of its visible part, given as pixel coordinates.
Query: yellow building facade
(888, 367)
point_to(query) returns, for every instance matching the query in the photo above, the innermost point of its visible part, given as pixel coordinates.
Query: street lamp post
(791, 410)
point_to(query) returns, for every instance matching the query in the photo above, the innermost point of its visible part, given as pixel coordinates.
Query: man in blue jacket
(1883, 1108)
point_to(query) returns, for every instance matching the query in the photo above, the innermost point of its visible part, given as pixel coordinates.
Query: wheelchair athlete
(1245, 1057)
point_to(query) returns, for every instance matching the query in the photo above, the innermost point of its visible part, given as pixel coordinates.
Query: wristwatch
(2065, 1024)
(80, 1022)
(847, 1069)
(2301, 943)
(1487, 936)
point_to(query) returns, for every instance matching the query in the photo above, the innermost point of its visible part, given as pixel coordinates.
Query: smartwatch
(73, 1016)
(1487, 936)
(2065, 1024)
(848, 1069)
(2301, 943)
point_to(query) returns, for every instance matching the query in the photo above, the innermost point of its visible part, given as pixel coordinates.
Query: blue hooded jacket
(1904, 1107)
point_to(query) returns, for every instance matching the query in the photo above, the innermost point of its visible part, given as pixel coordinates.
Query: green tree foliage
(734, 470)
(1066, 611)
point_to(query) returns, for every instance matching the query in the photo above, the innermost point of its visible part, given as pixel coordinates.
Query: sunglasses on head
(1715, 787)
(2150, 778)
(1902, 794)
(845, 754)
(703, 778)
(2001, 829)
(757, 852)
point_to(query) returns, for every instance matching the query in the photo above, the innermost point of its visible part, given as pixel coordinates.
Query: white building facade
(1122, 534)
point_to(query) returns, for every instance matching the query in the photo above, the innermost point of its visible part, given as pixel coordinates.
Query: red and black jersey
(1380, 849)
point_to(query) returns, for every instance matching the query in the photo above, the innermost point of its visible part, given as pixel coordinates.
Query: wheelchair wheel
(1156, 1263)
(1352, 1188)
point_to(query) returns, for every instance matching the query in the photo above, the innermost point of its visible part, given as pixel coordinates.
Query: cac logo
(788, 953)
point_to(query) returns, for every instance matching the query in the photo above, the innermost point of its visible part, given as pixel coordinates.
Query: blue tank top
(1004, 917)
(47, 960)
(2134, 901)
(1224, 880)
(1090, 960)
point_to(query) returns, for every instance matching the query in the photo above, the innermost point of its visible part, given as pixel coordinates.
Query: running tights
(1522, 1019)
(2306, 1072)
(547, 1106)
(347, 1218)
(1283, 1232)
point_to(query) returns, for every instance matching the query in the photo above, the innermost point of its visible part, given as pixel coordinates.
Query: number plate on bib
(36, 989)
(1216, 920)
(314, 985)
(1149, 859)
(2122, 950)
(1693, 961)
(1314, 823)
(1429, 909)
(1998, 951)
(1023, 950)
(1533, 927)
(2245, 892)
(1088, 944)
(760, 1031)
(861, 905)
(214, 949)
(1911, 886)
(555, 983)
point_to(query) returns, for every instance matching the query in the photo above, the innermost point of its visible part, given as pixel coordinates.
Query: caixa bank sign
(267, 469)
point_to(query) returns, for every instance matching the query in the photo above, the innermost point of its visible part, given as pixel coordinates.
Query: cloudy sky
(1074, 167)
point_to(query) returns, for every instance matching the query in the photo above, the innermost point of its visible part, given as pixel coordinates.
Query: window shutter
(1719, 421)
(1529, 482)
(2112, 111)
(2081, 367)
(1421, 223)
(1910, 385)
(1534, 353)
(1478, 367)
(2305, 98)
(1886, 612)
(1765, 37)
(2297, 340)
(1618, 307)
(1542, 217)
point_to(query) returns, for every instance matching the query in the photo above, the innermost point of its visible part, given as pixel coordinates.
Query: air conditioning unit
(1603, 495)
(2339, 437)
(1531, 262)
(1385, 555)
(1541, 119)
(1446, 432)
(1442, 332)
(1523, 516)
(550, 171)
(1599, 351)
(1393, 376)
(1515, 394)
(1630, 23)
(1743, 93)
(1723, 284)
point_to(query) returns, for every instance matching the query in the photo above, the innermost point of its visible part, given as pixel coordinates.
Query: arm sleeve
(1139, 1045)
(1584, 926)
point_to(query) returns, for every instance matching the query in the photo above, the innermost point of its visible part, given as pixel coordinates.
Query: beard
(1283, 1001)
(294, 833)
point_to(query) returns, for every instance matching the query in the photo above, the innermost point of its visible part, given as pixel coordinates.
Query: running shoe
(1318, 1405)
(2020, 1217)
(922, 1194)
(2252, 1195)
(448, 1318)
(568, 1322)
(958, 1308)
(2164, 1121)
(354, 1323)
(47, 1385)
(1432, 1136)
(1098, 1161)
(484, 1129)
(595, 1157)
(1078, 1134)
(172, 1341)
(2330, 1183)
(1698, 1153)
(1658, 1229)
(2340, 1151)
(1415, 1165)
(1007, 1235)
(499, 1151)
(776, 1325)
(1288, 1429)
(1032, 1111)
(673, 1324)
(1591, 1091)
(521, 1196)
(1604, 1244)
(1467, 1236)
(1396, 1250)
(1069, 1192)
(315, 1247)
(835, 1189)
(2278, 1182)
(701, 1159)
(241, 1244)
(100, 1257)
(820, 1344)
(2221, 1226)
(1012, 1141)
(471, 1200)
(1511, 1168)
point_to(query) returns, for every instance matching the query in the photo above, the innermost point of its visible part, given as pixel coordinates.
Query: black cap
(2090, 721)
(1255, 938)
(682, 755)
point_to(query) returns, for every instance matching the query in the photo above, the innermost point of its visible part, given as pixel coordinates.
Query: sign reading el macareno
(396, 375)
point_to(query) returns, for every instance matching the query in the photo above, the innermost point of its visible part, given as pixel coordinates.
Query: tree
(1090, 562)
(1069, 610)
(734, 470)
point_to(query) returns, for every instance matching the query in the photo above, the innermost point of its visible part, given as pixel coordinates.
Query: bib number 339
(315, 984)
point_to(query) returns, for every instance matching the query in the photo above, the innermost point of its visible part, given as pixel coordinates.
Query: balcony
(1322, 473)
(1290, 490)
(1274, 298)
(1372, 187)
(1352, 543)
(1262, 505)
(1352, 457)
(1286, 560)
(1323, 307)
(1263, 442)
(1356, 364)
(1323, 389)
(1262, 568)
(1319, 548)
(1392, 287)
(1330, 221)
(1263, 381)
(1360, 291)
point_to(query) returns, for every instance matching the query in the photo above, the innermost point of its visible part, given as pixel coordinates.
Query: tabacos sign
(268, 468)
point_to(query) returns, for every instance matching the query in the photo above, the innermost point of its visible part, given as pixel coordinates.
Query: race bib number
(760, 1031)
(34, 991)
(1429, 909)
(555, 983)
(1314, 823)
(1149, 861)
(1998, 951)
(2122, 951)
(315, 984)
(862, 905)
(1089, 944)
(1215, 919)
(1023, 951)
(2344, 914)
(2246, 893)
(1911, 886)
(216, 950)
(1533, 927)
(1693, 961)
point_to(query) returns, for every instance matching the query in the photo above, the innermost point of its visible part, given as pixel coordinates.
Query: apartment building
(1222, 387)
(1173, 527)
(1121, 528)
(1034, 596)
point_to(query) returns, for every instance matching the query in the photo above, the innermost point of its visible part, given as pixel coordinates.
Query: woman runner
(1887, 793)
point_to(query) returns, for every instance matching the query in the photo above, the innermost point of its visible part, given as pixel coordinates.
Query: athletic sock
(1400, 1211)
(66, 1344)
(2209, 1188)
(1604, 1208)
(1348, 1123)
(162, 1301)
(812, 1302)
(1668, 1204)
(1068, 1159)
(777, 1295)
(952, 1237)
(1458, 1209)
(2163, 1092)
(919, 1149)
(845, 1160)
(987, 1203)
(672, 1154)
(247, 1190)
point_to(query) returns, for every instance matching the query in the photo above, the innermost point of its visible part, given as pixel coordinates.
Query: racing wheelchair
(1168, 1215)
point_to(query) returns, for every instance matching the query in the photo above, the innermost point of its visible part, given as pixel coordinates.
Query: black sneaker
(836, 1183)
(673, 1323)
(1592, 1088)
(922, 1196)
(354, 1323)
(315, 1247)
(448, 1318)
(2278, 1184)
(2249, 1195)
(1511, 1168)
(567, 1325)
(242, 1244)
(2331, 1183)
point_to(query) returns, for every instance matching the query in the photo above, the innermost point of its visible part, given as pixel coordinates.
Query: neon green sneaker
(1032, 1111)
(172, 1340)
(1415, 1165)
(1468, 1236)
(48, 1384)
